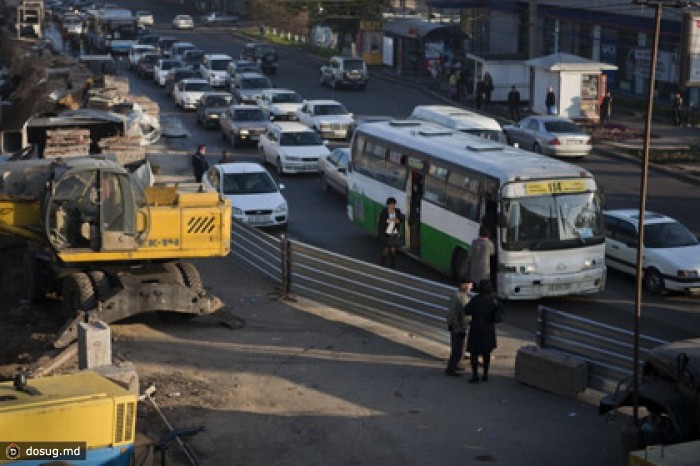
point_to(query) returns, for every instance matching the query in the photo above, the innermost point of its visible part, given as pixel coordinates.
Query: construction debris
(67, 143)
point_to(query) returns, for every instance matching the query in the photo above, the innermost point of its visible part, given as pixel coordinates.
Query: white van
(214, 68)
(461, 120)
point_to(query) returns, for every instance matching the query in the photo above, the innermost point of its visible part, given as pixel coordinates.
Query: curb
(689, 176)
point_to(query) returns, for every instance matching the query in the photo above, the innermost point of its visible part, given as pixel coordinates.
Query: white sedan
(281, 104)
(292, 148)
(328, 118)
(183, 22)
(255, 196)
(671, 251)
(187, 92)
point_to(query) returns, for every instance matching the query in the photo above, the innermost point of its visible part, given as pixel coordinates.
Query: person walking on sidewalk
(606, 108)
(480, 89)
(389, 231)
(676, 106)
(488, 87)
(199, 163)
(457, 325)
(550, 101)
(483, 309)
(514, 103)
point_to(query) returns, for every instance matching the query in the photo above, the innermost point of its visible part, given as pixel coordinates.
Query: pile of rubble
(126, 149)
(67, 143)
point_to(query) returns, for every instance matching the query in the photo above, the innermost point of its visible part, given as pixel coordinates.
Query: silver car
(247, 87)
(550, 135)
(244, 123)
(334, 171)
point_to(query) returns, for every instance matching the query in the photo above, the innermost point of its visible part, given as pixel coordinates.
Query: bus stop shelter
(410, 46)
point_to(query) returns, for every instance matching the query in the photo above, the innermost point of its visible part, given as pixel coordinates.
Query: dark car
(149, 40)
(164, 44)
(177, 74)
(211, 106)
(263, 54)
(146, 64)
(669, 391)
(193, 58)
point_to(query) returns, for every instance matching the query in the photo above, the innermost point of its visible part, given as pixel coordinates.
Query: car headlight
(282, 208)
(325, 126)
(688, 274)
(245, 131)
(592, 263)
(237, 211)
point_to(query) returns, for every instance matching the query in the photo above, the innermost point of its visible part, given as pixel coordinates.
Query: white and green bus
(543, 214)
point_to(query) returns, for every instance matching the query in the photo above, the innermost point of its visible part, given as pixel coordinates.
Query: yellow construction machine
(87, 231)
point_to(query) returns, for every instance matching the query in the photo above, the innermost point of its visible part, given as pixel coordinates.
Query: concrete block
(94, 345)
(551, 371)
(123, 375)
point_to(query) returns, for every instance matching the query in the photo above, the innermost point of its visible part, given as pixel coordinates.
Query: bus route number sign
(555, 187)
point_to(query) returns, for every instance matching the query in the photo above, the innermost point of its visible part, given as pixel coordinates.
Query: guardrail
(419, 305)
(607, 349)
(402, 300)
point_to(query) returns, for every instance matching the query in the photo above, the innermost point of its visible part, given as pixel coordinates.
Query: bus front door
(414, 202)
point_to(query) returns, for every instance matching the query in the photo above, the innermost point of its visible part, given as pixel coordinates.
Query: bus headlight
(524, 269)
(592, 263)
(527, 269)
(282, 208)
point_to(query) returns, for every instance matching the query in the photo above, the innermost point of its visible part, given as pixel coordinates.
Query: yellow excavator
(86, 230)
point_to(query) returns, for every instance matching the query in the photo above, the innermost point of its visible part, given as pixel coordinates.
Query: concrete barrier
(551, 371)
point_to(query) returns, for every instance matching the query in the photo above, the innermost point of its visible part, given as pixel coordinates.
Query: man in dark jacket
(199, 163)
(514, 103)
(389, 231)
(482, 328)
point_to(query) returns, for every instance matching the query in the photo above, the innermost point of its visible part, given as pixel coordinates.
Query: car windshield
(249, 114)
(217, 101)
(255, 83)
(333, 109)
(286, 98)
(302, 138)
(248, 183)
(354, 65)
(491, 134)
(168, 64)
(150, 58)
(668, 235)
(192, 56)
(264, 50)
(197, 87)
(562, 127)
(219, 65)
(184, 74)
(552, 222)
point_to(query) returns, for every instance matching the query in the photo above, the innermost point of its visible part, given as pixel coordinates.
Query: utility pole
(658, 5)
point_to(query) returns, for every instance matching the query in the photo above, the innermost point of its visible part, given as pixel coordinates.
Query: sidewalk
(664, 135)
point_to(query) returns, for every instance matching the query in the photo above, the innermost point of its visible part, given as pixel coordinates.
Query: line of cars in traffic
(237, 97)
(289, 133)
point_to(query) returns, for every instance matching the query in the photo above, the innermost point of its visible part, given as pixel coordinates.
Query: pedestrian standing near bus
(479, 262)
(389, 231)
(485, 311)
(457, 325)
(199, 163)
(676, 107)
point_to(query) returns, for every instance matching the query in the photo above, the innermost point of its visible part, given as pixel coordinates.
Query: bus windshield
(552, 222)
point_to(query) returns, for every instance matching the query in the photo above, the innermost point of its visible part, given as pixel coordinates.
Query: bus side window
(435, 191)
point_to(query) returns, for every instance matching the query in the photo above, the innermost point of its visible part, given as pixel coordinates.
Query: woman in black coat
(482, 329)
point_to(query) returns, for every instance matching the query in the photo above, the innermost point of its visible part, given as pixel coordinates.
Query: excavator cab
(94, 208)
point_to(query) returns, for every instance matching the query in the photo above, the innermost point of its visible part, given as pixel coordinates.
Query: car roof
(291, 126)
(250, 75)
(323, 102)
(245, 107)
(278, 90)
(183, 43)
(223, 93)
(551, 118)
(241, 167)
(218, 56)
(195, 80)
(632, 215)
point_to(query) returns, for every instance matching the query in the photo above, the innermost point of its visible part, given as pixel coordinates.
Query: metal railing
(383, 294)
(608, 350)
(419, 305)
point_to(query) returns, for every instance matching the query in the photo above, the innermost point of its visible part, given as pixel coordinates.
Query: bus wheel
(459, 263)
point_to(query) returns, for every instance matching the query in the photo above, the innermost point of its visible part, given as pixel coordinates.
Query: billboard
(691, 49)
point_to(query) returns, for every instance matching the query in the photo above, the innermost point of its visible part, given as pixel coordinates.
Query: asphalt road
(321, 219)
